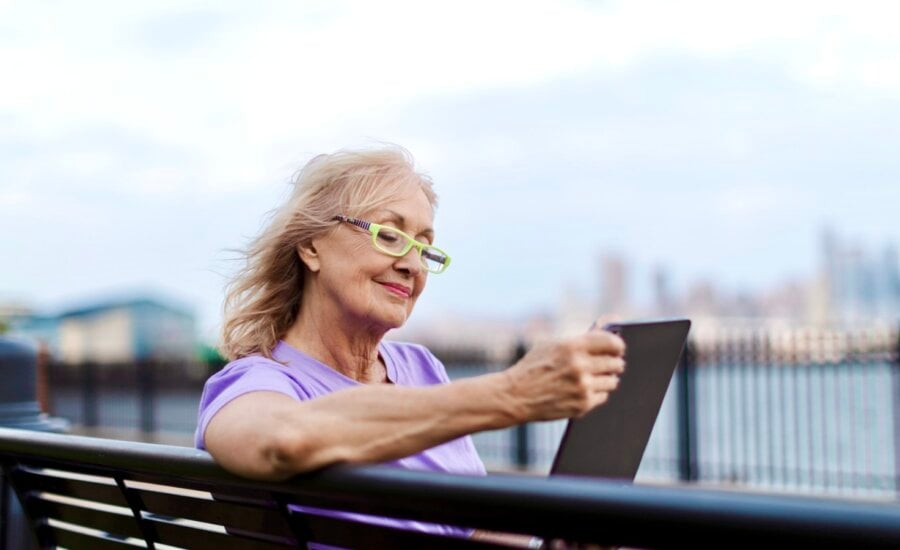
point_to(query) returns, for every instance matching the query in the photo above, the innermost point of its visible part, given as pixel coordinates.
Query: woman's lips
(399, 290)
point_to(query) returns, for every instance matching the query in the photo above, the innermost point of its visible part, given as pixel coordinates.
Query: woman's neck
(324, 337)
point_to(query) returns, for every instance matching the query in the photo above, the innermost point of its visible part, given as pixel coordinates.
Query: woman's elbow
(285, 454)
(294, 451)
(271, 456)
(283, 445)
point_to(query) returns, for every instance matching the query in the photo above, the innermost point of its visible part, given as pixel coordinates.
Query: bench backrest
(90, 493)
(80, 504)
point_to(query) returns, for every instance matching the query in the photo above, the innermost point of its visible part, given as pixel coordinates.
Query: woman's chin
(388, 322)
(395, 315)
(397, 323)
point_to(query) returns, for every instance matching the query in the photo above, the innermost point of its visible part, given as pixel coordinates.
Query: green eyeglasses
(394, 242)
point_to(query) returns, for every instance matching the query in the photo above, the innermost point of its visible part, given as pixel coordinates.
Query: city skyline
(849, 281)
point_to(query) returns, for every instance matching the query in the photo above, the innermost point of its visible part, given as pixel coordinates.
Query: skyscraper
(859, 284)
(663, 301)
(613, 285)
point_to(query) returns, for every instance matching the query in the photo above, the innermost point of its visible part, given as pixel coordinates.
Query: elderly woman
(312, 382)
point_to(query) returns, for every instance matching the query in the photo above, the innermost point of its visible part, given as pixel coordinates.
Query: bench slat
(186, 536)
(237, 495)
(75, 540)
(112, 523)
(267, 521)
(28, 480)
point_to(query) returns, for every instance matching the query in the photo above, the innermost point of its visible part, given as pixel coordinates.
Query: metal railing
(814, 411)
(794, 410)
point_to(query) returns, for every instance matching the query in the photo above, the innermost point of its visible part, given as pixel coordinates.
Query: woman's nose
(410, 262)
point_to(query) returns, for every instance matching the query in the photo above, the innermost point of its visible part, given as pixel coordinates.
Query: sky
(142, 142)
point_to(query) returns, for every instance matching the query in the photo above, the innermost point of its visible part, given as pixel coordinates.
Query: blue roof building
(114, 331)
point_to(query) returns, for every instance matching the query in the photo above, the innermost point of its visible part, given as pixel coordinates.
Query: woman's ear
(309, 256)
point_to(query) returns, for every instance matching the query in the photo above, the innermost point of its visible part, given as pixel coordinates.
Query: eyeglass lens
(393, 242)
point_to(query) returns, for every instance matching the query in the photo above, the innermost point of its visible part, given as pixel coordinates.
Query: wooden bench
(80, 492)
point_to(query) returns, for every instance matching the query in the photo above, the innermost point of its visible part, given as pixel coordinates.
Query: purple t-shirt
(298, 375)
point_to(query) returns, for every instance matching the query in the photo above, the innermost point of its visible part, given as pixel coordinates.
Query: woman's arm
(268, 435)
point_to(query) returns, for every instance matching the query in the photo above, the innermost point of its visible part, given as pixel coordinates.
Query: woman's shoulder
(254, 373)
(242, 367)
(248, 361)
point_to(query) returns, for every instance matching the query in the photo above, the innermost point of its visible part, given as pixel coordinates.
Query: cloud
(273, 70)
(750, 202)
(181, 32)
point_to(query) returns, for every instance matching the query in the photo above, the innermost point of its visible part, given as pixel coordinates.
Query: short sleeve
(250, 374)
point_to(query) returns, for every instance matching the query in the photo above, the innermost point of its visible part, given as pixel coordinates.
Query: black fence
(792, 410)
(787, 410)
(149, 396)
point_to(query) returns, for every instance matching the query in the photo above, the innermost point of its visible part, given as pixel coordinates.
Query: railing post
(89, 394)
(521, 452)
(4, 509)
(43, 365)
(687, 417)
(147, 395)
(895, 379)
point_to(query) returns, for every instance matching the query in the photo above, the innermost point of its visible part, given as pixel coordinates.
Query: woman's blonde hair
(263, 298)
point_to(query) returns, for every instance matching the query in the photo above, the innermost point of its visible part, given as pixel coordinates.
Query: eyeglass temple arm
(359, 223)
(436, 257)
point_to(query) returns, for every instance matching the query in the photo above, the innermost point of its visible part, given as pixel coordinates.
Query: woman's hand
(566, 378)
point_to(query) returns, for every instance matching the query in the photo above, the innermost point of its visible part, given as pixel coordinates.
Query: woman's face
(366, 287)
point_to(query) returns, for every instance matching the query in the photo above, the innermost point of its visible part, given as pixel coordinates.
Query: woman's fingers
(606, 364)
(601, 342)
(605, 383)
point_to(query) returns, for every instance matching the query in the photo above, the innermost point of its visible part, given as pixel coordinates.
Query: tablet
(610, 440)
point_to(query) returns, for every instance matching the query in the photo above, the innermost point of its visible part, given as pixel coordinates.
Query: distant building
(703, 299)
(859, 284)
(663, 300)
(614, 279)
(114, 332)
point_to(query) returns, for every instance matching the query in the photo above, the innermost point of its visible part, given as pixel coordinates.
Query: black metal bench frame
(81, 492)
